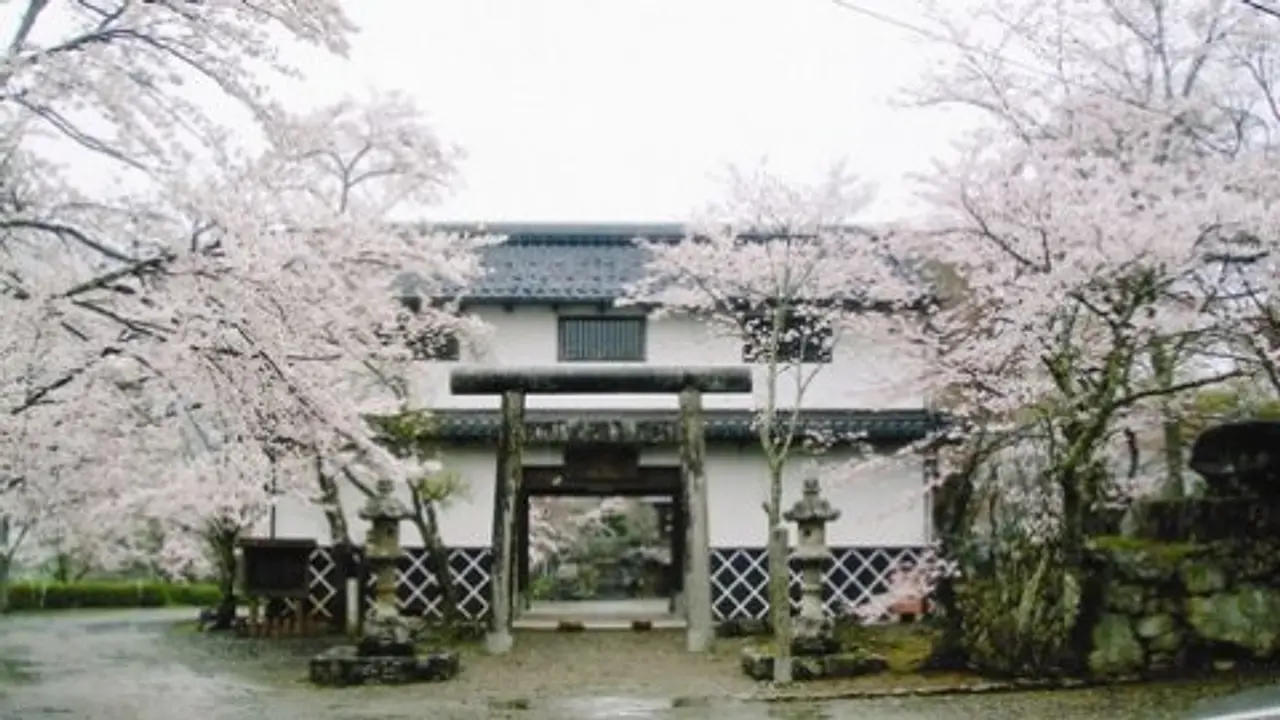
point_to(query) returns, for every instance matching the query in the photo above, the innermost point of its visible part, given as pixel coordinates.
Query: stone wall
(1177, 605)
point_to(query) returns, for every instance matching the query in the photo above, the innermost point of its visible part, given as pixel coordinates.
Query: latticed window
(602, 339)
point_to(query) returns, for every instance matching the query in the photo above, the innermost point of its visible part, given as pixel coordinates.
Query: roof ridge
(565, 230)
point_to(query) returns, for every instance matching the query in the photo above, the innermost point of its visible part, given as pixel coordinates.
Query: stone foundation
(757, 663)
(744, 627)
(1173, 607)
(342, 666)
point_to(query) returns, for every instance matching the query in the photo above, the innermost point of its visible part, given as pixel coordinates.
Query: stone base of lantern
(344, 666)
(757, 663)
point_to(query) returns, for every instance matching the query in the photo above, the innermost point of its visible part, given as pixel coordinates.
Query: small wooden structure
(514, 384)
(276, 571)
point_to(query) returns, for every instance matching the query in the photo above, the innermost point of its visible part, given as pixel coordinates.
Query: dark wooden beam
(637, 380)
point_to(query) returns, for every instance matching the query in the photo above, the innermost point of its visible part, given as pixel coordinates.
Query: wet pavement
(136, 665)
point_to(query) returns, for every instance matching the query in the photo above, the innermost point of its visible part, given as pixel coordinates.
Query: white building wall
(864, 374)
(880, 507)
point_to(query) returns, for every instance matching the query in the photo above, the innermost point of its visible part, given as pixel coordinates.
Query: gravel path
(136, 665)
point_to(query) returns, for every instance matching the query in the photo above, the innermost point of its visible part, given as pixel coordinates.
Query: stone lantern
(386, 652)
(812, 630)
(385, 632)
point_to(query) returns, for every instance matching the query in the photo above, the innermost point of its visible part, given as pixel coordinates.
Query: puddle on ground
(15, 670)
(132, 666)
(610, 707)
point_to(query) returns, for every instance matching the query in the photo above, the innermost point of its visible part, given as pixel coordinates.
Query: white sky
(604, 110)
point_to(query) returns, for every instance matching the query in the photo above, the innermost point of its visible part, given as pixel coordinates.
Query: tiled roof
(545, 263)
(875, 426)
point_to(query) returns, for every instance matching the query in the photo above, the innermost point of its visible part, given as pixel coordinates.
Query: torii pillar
(515, 384)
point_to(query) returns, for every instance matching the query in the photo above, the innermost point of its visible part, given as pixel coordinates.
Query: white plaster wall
(884, 506)
(863, 374)
(880, 506)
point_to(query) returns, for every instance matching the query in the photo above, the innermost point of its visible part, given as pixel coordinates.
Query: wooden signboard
(276, 568)
(602, 463)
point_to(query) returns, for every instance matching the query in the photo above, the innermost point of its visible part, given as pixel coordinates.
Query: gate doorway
(626, 567)
(687, 433)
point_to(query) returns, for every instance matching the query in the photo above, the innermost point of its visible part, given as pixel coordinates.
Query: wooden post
(353, 602)
(679, 552)
(523, 601)
(505, 492)
(697, 583)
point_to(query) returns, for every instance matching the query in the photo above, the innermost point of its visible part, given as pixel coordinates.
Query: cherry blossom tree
(286, 292)
(1177, 90)
(122, 78)
(122, 82)
(63, 470)
(271, 280)
(333, 185)
(129, 84)
(1122, 147)
(778, 268)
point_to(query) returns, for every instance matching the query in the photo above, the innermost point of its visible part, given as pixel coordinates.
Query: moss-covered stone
(1247, 618)
(1153, 626)
(743, 627)
(1162, 600)
(1125, 598)
(1202, 577)
(1116, 650)
(1167, 644)
(1259, 563)
(1137, 559)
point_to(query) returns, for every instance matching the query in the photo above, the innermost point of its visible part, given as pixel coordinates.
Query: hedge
(38, 595)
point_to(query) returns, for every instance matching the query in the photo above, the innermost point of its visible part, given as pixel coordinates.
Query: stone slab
(342, 667)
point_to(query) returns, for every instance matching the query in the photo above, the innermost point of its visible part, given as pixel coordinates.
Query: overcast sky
(610, 110)
(627, 110)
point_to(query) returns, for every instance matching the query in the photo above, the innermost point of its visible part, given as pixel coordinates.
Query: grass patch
(440, 637)
(185, 627)
(905, 647)
(27, 595)
(1158, 550)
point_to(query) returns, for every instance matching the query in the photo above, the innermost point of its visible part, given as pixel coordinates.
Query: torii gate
(514, 384)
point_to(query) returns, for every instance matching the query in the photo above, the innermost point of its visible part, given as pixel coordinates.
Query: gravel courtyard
(136, 665)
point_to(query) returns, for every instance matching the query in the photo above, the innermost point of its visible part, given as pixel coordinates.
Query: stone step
(596, 622)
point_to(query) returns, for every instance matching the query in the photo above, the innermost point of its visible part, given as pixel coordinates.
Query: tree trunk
(427, 520)
(223, 544)
(1174, 451)
(779, 573)
(331, 502)
(62, 567)
(951, 513)
(6, 563)
(1162, 365)
(8, 548)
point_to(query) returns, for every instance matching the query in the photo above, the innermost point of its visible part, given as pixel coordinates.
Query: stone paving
(136, 665)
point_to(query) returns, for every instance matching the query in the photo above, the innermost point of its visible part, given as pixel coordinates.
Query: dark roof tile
(874, 426)
(558, 263)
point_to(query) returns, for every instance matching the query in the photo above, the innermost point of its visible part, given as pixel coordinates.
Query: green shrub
(38, 595)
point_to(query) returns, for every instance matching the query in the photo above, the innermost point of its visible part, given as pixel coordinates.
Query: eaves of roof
(880, 427)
